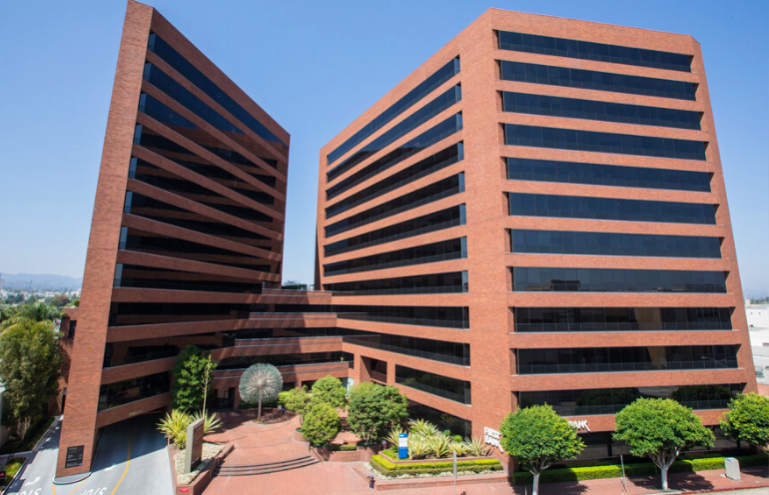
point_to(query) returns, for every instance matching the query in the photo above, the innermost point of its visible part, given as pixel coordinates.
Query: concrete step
(272, 467)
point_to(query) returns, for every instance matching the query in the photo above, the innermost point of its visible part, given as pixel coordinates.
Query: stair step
(266, 464)
(274, 467)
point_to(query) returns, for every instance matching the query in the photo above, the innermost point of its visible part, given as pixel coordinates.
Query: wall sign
(580, 425)
(492, 437)
(74, 456)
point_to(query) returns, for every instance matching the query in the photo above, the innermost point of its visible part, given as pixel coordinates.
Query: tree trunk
(665, 476)
(535, 488)
(259, 412)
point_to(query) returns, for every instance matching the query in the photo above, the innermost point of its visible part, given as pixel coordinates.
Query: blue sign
(403, 445)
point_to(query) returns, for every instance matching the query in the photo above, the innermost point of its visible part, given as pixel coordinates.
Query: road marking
(128, 462)
(73, 491)
(32, 482)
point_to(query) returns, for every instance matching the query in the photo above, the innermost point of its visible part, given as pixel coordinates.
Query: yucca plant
(476, 447)
(424, 428)
(174, 427)
(211, 422)
(459, 447)
(440, 446)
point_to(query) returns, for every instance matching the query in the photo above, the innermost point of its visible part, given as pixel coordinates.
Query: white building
(758, 315)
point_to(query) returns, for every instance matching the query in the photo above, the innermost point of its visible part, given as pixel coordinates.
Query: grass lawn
(11, 469)
(33, 435)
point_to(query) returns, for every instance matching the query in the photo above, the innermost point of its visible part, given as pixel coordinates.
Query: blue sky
(315, 66)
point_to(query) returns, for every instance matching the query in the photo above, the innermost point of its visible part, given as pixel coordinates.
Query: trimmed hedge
(388, 468)
(640, 469)
(344, 447)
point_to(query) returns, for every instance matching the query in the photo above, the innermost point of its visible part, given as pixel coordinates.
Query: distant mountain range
(27, 281)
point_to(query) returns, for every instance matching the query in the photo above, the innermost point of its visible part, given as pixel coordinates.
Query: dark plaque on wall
(74, 456)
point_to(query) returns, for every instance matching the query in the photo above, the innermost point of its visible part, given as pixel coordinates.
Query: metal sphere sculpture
(260, 383)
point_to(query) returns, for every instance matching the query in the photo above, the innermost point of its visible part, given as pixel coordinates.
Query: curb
(21, 469)
(730, 489)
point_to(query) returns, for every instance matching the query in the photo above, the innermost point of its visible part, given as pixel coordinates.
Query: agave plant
(476, 447)
(423, 428)
(459, 447)
(440, 446)
(418, 447)
(174, 427)
(211, 422)
(393, 438)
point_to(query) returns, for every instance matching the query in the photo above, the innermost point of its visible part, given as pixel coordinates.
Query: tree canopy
(331, 391)
(660, 429)
(537, 437)
(747, 420)
(30, 366)
(298, 400)
(189, 388)
(375, 409)
(321, 424)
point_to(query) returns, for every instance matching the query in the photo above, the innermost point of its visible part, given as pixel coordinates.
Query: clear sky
(315, 66)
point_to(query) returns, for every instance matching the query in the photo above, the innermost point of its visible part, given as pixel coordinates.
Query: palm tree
(35, 313)
(260, 383)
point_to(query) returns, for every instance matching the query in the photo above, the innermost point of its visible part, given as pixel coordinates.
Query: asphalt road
(130, 459)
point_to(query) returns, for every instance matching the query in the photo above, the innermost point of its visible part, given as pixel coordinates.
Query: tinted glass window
(442, 386)
(598, 243)
(616, 280)
(562, 47)
(430, 110)
(430, 253)
(546, 205)
(430, 316)
(119, 393)
(599, 110)
(438, 283)
(611, 400)
(601, 81)
(613, 359)
(412, 97)
(621, 319)
(603, 142)
(606, 175)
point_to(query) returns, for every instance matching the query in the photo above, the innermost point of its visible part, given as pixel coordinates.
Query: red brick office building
(488, 237)
(545, 196)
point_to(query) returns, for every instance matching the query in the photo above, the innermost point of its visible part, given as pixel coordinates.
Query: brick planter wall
(204, 478)
(417, 461)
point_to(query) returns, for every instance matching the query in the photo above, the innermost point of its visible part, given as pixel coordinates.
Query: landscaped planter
(202, 480)
(418, 461)
(389, 468)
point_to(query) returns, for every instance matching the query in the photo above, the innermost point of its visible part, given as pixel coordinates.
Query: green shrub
(641, 469)
(387, 468)
(345, 447)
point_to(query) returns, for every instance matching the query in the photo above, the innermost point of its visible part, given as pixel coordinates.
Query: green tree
(537, 437)
(59, 301)
(331, 391)
(374, 410)
(30, 367)
(193, 374)
(260, 383)
(298, 400)
(321, 425)
(34, 313)
(660, 429)
(747, 420)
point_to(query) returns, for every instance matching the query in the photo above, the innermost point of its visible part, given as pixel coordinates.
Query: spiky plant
(418, 447)
(459, 447)
(476, 447)
(423, 428)
(174, 427)
(260, 383)
(211, 422)
(392, 438)
(440, 446)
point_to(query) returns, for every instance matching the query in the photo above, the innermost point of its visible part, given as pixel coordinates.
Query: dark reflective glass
(430, 316)
(436, 283)
(429, 253)
(616, 280)
(612, 400)
(412, 97)
(614, 359)
(442, 386)
(606, 175)
(588, 50)
(621, 319)
(610, 244)
(427, 112)
(122, 314)
(120, 353)
(573, 108)
(429, 165)
(601, 81)
(428, 194)
(633, 210)
(143, 277)
(278, 360)
(428, 138)
(119, 393)
(603, 142)
(433, 222)
(195, 76)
